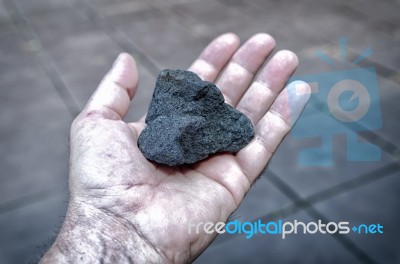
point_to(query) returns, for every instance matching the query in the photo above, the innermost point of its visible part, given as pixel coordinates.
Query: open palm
(109, 173)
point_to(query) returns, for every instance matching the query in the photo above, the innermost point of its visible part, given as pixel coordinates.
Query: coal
(188, 120)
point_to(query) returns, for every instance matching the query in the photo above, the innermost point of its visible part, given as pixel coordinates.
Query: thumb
(112, 97)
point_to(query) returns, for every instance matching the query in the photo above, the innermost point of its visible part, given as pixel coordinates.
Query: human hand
(124, 208)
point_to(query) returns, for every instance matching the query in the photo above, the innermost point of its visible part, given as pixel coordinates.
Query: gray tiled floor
(26, 230)
(300, 177)
(32, 114)
(81, 38)
(379, 209)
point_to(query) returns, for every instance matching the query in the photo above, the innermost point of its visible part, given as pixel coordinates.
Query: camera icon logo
(358, 90)
(341, 102)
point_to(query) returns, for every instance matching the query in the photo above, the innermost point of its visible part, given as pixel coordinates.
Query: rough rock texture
(188, 120)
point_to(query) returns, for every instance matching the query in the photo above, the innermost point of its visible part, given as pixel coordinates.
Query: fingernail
(299, 94)
(118, 67)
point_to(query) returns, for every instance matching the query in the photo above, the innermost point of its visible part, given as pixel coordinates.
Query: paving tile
(40, 7)
(3, 13)
(107, 8)
(241, 18)
(300, 248)
(26, 231)
(262, 17)
(80, 52)
(83, 53)
(193, 25)
(163, 40)
(324, 20)
(208, 15)
(205, 18)
(383, 10)
(371, 204)
(33, 150)
(35, 124)
(390, 96)
(307, 179)
(246, 18)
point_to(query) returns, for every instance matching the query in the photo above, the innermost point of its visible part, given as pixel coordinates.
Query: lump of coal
(188, 120)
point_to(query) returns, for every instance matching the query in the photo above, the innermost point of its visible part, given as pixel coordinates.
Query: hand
(123, 207)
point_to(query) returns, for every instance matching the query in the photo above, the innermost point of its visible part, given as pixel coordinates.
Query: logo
(283, 229)
(344, 101)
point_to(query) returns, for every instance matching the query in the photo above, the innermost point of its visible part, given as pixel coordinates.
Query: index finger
(215, 56)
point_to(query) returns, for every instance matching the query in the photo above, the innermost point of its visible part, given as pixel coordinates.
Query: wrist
(90, 235)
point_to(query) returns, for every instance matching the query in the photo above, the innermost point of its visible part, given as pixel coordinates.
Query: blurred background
(53, 54)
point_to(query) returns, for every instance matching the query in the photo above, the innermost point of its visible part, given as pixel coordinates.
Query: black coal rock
(188, 120)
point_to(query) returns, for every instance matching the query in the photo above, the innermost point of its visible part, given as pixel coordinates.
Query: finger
(272, 128)
(215, 56)
(272, 78)
(240, 71)
(112, 98)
